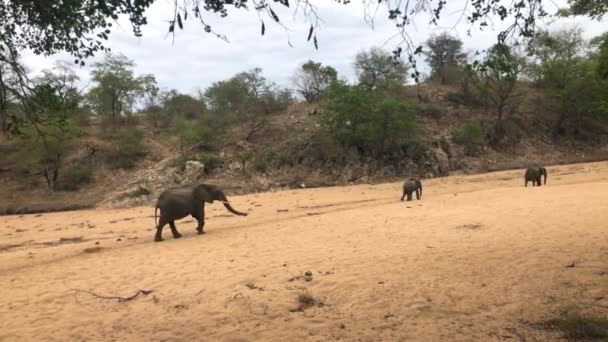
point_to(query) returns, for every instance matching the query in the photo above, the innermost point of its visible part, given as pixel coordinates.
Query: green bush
(469, 135)
(74, 177)
(128, 148)
(377, 125)
(278, 158)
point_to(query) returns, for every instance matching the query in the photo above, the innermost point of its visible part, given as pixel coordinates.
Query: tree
(558, 62)
(247, 98)
(117, 88)
(445, 54)
(496, 79)
(47, 139)
(312, 79)
(81, 27)
(374, 124)
(377, 70)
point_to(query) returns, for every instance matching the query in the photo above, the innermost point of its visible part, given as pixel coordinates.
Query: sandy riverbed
(478, 258)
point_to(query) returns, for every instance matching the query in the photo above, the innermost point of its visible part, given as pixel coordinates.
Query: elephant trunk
(232, 210)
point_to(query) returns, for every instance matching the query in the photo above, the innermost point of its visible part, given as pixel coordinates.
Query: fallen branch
(120, 299)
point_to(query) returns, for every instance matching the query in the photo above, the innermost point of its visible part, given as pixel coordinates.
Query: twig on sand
(120, 299)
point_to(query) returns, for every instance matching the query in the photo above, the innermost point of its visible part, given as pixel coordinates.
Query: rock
(443, 162)
(193, 170)
(235, 166)
(302, 185)
(308, 273)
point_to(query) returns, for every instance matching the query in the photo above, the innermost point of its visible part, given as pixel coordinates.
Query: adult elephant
(533, 174)
(175, 204)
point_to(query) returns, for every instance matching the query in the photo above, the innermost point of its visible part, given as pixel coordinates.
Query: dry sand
(477, 259)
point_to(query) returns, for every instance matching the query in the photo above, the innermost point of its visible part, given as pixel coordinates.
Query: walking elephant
(410, 186)
(175, 204)
(533, 174)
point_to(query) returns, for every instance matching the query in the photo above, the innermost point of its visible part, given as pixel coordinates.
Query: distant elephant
(175, 204)
(410, 186)
(533, 174)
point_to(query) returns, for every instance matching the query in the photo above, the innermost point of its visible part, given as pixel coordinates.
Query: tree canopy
(80, 27)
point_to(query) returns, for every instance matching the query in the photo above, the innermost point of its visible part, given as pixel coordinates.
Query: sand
(479, 258)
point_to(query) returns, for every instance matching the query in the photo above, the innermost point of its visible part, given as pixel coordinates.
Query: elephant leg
(418, 194)
(526, 183)
(159, 230)
(200, 218)
(176, 234)
(402, 197)
(538, 181)
(409, 195)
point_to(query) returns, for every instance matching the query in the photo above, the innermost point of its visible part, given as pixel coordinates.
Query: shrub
(470, 135)
(430, 110)
(128, 148)
(278, 158)
(355, 117)
(74, 177)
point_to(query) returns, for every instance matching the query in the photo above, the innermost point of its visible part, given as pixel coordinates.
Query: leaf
(316, 43)
(310, 33)
(274, 15)
(263, 28)
(179, 21)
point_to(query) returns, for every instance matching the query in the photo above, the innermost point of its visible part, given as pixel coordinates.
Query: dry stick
(120, 299)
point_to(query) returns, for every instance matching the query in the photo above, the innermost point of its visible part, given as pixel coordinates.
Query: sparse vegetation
(469, 135)
(128, 148)
(75, 176)
(576, 326)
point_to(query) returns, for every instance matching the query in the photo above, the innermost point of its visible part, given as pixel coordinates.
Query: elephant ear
(203, 193)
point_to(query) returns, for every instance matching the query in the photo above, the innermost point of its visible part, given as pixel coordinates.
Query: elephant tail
(544, 172)
(419, 184)
(232, 210)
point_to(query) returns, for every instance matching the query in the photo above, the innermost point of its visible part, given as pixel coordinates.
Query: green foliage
(378, 70)
(128, 148)
(495, 79)
(358, 118)
(470, 135)
(117, 89)
(211, 160)
(445, 56)
(74, 177)
(572, 76)
(48, 130)
(312, 79)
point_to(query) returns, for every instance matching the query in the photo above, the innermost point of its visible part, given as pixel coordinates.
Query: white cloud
(196, 59)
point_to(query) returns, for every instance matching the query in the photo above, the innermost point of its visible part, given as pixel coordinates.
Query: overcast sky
(195, 59)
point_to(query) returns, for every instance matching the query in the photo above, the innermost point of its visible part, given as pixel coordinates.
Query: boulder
(193, 170)
(442, 161)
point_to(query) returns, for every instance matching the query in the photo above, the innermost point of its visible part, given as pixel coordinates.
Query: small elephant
(175, 204)
(410, 186)
(533, 174)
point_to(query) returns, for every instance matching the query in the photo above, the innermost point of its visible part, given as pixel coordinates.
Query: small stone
(119, 239)
(308, 273)
(97, 242)
(342, 326)
(307, 278)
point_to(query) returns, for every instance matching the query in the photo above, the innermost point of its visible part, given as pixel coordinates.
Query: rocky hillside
(292, 150)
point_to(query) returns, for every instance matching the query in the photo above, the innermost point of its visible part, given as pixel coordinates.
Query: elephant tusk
(225, 202)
